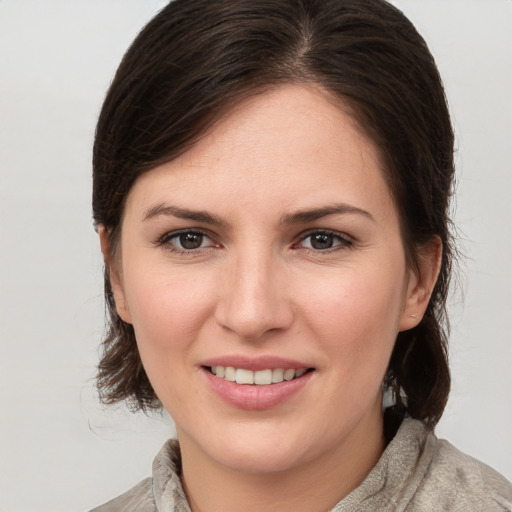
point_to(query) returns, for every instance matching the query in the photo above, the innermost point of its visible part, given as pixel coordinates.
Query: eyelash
(166, 240)
(340, 241)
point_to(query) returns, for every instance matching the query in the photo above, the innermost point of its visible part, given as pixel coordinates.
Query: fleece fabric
(416, 473)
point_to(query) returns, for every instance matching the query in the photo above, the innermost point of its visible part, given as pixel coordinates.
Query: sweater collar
(388, 486)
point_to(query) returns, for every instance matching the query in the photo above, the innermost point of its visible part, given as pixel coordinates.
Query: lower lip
(254, 397)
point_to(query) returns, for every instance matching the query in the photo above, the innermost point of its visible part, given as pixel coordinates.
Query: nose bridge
(254, 301)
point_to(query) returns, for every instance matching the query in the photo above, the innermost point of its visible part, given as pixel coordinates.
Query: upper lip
(255, 363)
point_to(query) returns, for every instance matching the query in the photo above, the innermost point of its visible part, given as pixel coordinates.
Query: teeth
(263, 377)
(259, 378)
(277, 375)
(244, 376)
(289, 374)
(230, 374)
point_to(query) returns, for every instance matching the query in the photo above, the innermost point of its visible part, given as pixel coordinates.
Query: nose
(253, 297)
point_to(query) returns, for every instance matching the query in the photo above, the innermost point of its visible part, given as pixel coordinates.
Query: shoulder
(452, 480)
(137, 499)
(419, 472)
(161, 492)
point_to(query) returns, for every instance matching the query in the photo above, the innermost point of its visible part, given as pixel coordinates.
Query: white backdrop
(60, 450)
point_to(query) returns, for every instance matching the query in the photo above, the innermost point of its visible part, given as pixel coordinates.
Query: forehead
(289, 144)
(308, 119)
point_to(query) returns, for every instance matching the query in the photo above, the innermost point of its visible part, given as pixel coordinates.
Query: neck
(316, 485)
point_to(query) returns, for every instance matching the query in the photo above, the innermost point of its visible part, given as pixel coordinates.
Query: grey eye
(187, 241)
(191, 240)
(321, 241)
(324, 240)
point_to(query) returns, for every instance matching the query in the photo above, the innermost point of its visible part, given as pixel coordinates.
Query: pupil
(321, 241)
(191, 240)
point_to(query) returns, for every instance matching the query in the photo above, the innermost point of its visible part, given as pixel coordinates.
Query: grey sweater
(417, 472)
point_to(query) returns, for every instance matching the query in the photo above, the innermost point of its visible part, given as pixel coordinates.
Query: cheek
(168, 313)
(167, 308)
(357, 316)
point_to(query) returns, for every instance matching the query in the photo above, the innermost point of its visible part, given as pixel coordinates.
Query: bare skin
(273, 241)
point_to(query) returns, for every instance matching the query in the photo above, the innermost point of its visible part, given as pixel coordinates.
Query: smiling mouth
(259, 377)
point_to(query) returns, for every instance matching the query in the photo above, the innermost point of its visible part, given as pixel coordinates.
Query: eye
(187, 240)
(324, 240)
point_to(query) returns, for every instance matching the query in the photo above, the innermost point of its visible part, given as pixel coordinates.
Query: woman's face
(269, 251)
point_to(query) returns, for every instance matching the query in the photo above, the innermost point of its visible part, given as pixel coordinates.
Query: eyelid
(165, 239)
(347, 241)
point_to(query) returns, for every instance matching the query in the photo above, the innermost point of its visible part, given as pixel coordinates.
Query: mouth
(264, 377)
(256, 383)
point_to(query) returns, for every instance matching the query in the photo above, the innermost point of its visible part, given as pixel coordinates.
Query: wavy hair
(197, 58)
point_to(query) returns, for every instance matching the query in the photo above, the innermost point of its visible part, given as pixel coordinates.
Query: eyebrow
(301, 216)
(183, 213)
(304, 216)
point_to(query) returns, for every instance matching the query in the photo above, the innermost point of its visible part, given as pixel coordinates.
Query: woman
(271, 190)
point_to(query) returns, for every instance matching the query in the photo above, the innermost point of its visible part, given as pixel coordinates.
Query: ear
(422, 280)
(113, 275)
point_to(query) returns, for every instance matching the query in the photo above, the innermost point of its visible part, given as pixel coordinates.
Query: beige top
(417, 472)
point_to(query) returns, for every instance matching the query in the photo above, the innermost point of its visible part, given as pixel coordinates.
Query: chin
(263, 450)
(260, 461)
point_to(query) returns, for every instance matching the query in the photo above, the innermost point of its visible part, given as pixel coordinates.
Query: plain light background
(60, 450)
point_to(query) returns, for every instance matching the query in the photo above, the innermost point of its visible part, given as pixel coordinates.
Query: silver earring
(388, 398)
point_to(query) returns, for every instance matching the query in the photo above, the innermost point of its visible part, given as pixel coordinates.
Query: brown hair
(198, 57)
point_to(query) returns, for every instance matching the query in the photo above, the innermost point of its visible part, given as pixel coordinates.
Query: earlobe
(113, 275)
(422, 280)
